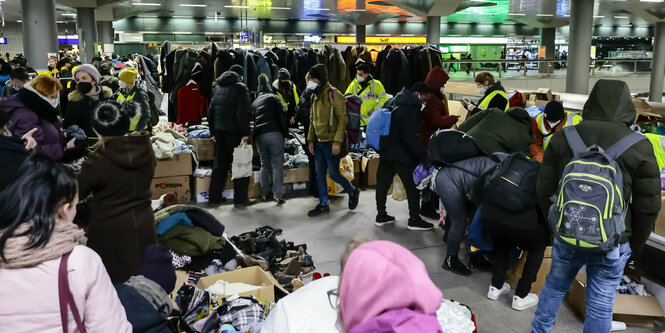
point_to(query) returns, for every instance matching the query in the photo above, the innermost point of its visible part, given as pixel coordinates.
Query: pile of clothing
(167, 142)
(286, 261)
(198, 132)
(199, 314)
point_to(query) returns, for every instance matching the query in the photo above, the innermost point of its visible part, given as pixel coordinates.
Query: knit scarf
(65, 236)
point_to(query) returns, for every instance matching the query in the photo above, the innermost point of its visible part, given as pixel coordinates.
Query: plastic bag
(397, 189)
(242, 161)
(346, 169)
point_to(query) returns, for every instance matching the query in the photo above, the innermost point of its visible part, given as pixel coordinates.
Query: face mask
(441, 90)
(481, 90)
(553, 123)
(122, 84)
(84, 87)
(360, 78)
(312, 85)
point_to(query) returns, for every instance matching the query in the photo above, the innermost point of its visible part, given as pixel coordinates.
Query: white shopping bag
(242, 161)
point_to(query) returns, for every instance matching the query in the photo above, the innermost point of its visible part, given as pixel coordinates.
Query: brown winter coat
(118, 173)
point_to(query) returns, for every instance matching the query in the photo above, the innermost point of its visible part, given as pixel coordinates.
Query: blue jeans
(271, 152)
(326, 161)
(604, 272)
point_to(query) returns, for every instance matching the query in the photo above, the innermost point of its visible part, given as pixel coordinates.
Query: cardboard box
(461, 88)
(179, 165)
(267, 286)
(297, 175)
(634, 310)
(515, 273)
(205, 148)
(456, 108)
(356, 166)
(660, 220)
(369, 168)
(645, 113)
(201, 187)
(178, 185)
(540, 97)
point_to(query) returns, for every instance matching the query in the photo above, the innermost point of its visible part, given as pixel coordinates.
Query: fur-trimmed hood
(76, 95)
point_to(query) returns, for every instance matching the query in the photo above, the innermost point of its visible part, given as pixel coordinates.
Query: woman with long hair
(49, 280)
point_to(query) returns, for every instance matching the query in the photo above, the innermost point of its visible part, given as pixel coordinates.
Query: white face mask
(553, 123)
(441, 90)
(360, 78)
(122, 84)
(481, 90)
(312, 85)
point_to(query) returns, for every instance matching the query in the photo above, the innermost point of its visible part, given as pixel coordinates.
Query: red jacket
(435, 116)
(192, 105)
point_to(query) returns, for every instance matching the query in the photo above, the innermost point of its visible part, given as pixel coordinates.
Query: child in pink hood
(385, 288)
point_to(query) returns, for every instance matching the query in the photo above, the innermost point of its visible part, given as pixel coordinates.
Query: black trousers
(225, 143)
(384, 178)
(505, 239)
(430, 201)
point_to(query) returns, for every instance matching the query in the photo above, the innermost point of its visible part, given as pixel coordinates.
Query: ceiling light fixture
(652, 0)
(545, 15)
(598, 16)
(621, 17)
(516, 14)
(181, 16)
(68, 14)
(19, 21)
(191, 5)
(280, 8)
(317, 8)
(229, 6)
(146, 4)
(59, 21)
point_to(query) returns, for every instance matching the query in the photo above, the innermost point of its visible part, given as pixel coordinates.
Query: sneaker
(383, 219)
(520, 303)
(454, 265)
(279, 201)
(353, 199)
(419, 224)
(264, 199)
(495, 293)
(318, 210)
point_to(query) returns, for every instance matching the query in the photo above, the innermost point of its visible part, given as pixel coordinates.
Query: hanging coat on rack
(395, 71)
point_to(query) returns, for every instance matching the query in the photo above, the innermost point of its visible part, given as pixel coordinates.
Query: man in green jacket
(607, 114)
(327, 130)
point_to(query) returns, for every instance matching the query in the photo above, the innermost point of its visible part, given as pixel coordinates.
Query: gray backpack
(589, 210)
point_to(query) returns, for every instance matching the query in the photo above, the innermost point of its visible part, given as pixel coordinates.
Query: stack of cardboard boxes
(173, 176)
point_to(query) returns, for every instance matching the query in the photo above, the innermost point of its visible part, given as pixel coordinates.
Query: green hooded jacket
(607, 114)
(501, 132)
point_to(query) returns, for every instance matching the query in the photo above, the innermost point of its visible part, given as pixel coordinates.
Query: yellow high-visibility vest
(486, 101)
(135, 120)
(295, 96)
(572, 120)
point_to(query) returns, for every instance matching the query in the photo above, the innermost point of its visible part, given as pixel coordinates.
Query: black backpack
(449, 146)
(511, 185)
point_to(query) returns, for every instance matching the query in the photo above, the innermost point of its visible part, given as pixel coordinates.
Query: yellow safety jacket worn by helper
(134, 120)
(374, 96)
(571, 120)
(486, 101)
(295, 96)
(658, 142)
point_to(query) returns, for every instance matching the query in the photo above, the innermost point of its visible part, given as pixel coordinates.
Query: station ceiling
(538, 13)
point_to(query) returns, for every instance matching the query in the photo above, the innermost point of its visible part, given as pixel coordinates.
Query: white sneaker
(494, 293)
(520, 304)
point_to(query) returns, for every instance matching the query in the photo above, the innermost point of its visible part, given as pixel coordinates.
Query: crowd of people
(85, 136)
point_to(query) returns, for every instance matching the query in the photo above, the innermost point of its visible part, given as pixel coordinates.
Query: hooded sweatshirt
(385, 288)
(119, 173)
(501, 132)
(436, 115)
(607, 114)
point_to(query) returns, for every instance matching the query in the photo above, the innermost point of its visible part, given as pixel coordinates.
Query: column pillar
(658, 64)
(547, 39)
(40, 33)
(106, 35)
(87, 31)
(579, 46)
(361, 34)
(433, 30)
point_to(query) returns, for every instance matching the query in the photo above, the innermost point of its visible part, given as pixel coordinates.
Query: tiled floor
(327, 236)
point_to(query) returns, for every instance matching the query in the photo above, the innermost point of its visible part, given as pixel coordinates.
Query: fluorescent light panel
(621, 17)
(191, 5)
(317, 8)
(68, 14)
(230, 6)
(516, 14)
(280, 8)
(545, 15)
(146, 4)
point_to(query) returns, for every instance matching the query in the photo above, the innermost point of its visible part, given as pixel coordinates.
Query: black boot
(318, 210)
(454, 265)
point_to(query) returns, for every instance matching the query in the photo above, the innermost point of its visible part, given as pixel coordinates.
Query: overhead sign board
(382, 40)
(312, 39)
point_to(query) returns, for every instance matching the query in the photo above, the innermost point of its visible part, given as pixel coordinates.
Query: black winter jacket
(402, 145)
(498, 101)
(395, 71)
(607, 114)
(230, 106)
(269, 115)
(80, 109)
(13, 154)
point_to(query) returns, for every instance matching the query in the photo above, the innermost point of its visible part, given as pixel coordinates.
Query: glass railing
(458, 69)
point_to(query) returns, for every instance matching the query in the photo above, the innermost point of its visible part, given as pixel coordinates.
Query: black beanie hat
(109, 120)
(554, 111)
(238, 70)
(320, 73)
(158, 267)
(284, 74)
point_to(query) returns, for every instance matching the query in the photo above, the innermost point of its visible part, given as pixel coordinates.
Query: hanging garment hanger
(191, 81)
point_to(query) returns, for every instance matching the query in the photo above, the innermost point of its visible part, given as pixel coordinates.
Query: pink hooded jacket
(385, 288)
(29, 297)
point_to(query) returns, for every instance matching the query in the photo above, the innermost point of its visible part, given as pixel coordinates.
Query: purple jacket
(400, 321)
(49, 137)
